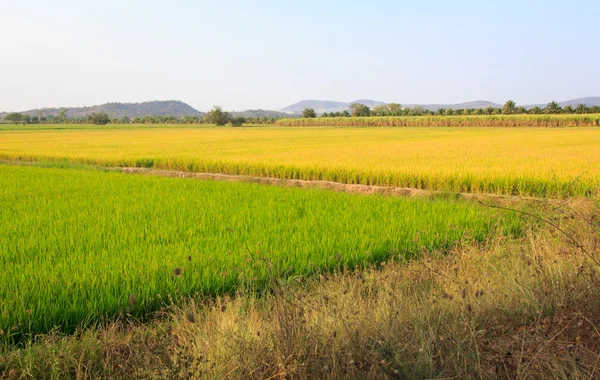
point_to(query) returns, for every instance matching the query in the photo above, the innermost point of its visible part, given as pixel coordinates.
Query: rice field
(541, 162)
(77, 243)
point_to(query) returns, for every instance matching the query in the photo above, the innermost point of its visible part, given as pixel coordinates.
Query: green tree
(98, 118)
(359, 109)
(536, 110)
(62, 116)
(569, 109)
(309, 113)
(509, 108)
(418, 111)
(553, 108)
(395, 109)
(217, 116)
(441, 111)
(14, 117)
(238, 121)
(581, 108)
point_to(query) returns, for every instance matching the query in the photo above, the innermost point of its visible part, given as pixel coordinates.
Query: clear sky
(269, 54)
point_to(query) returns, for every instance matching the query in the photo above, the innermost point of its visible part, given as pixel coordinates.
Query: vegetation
(217, 117)
(238, 121)
(359, 110)
(460, 120)
(509, 108)
(309, 113)
(514, 308)
(517, 161)
(108, 236)
(99, 118)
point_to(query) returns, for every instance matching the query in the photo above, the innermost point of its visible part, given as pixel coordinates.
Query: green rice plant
(80, 246)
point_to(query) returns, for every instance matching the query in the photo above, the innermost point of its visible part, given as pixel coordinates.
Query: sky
(269, 54)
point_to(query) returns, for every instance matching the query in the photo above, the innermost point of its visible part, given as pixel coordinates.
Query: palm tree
(581, 108)
(521, 110)
(535, 110)
(553, 107)
(569, 109)
(509, 107)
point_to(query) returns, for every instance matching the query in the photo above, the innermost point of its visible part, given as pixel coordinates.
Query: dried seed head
(189, 315)
(469, 308)
(177, 272)
(133, 299)
(223, 308)
(463, 293)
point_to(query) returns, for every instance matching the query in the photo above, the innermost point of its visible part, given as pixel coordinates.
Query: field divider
(318, 184)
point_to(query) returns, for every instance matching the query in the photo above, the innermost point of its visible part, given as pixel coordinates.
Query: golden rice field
(549, 162)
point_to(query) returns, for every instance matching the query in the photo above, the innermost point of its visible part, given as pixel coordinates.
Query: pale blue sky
(268, 54)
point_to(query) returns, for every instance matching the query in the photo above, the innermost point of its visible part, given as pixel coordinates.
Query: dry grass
(526, 308)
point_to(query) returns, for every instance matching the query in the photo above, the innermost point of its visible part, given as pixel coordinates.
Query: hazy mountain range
(321, 106)
(180, 109)
(131, 110)
(120, 110)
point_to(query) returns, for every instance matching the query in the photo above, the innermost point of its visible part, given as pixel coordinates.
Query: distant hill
(260, 113)
(466, 105)
(321, 106)
(589, 101)
(119, 110)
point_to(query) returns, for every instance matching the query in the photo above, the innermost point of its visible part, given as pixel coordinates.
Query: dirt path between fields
(327, 185)
(299, 183)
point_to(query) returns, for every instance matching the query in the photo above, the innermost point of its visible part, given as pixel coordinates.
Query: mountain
(590, 102)
(119, 110)
(260, 113)
(321, 106)
(466, 105)
(367, 102)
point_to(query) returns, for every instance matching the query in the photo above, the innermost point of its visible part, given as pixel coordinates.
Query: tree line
(395, 109)
(215, 116)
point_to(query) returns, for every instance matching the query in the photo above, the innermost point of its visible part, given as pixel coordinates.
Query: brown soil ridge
(326, 185)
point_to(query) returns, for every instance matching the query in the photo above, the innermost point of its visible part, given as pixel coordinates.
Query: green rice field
(76, 243)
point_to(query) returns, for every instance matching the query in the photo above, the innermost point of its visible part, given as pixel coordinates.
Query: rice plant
(84, 245)
(541, 162)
